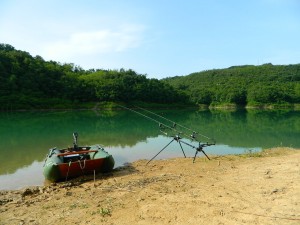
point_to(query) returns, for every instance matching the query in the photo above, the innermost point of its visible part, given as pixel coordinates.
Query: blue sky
(160, 38)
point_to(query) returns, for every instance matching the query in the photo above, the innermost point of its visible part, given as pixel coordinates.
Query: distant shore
(254, 188)
(116, 106)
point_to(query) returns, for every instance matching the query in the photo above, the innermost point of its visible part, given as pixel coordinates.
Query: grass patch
(103, 212)
(78, 206)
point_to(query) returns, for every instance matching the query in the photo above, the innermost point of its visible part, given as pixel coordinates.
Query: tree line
(31, 82)
(242, 85)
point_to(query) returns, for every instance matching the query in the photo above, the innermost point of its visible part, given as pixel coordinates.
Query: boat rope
(68, 170)
(82, 167)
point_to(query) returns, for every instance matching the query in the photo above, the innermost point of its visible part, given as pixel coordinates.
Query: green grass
(103, 212)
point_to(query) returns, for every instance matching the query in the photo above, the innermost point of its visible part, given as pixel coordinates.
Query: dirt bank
(248, 189)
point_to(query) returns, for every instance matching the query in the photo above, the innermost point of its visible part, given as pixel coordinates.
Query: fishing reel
(162, 129)
(193, 135)
(178, 135)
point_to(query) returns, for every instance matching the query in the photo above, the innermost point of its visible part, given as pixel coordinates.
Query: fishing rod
(177, 137)
(174, 123)
(161, 125)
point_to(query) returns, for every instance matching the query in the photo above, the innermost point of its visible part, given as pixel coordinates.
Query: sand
(260, 188)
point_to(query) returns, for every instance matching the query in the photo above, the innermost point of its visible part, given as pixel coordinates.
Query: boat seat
(73, 153)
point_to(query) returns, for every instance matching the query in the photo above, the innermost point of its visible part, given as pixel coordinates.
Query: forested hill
(31, 82)
(242, 85)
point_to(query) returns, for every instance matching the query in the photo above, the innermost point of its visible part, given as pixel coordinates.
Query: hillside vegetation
(242, 85)
(28, 82)
(31, 82)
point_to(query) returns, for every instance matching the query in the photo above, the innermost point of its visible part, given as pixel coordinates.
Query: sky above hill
(160, 38)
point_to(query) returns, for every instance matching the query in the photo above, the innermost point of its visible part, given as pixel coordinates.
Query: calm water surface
(25, 137)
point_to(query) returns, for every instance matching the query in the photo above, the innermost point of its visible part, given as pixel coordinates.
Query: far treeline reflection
(27, 136)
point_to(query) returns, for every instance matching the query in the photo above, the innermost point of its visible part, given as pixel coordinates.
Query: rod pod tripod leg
(199, 150)
(182, 149)
(160, 151)
(176, 138)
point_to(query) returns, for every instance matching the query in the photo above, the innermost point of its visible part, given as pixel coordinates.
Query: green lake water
(25, 137)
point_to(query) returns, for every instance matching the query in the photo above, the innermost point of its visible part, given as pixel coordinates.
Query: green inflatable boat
(62, 164)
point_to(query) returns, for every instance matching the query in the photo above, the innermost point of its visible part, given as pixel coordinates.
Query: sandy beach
(258, 188)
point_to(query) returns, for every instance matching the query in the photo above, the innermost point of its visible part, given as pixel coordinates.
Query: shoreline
(256, 188)
(111, 106)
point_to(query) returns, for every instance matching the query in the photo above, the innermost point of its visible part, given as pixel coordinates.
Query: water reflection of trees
(248, 129)
(27, 136)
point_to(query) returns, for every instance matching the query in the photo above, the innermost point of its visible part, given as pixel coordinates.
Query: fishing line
(165, 119)
(161, 125)
(174, 123)
(177, 137)
(148, 117)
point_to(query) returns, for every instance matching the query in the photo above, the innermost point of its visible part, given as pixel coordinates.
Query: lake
(25, 137)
